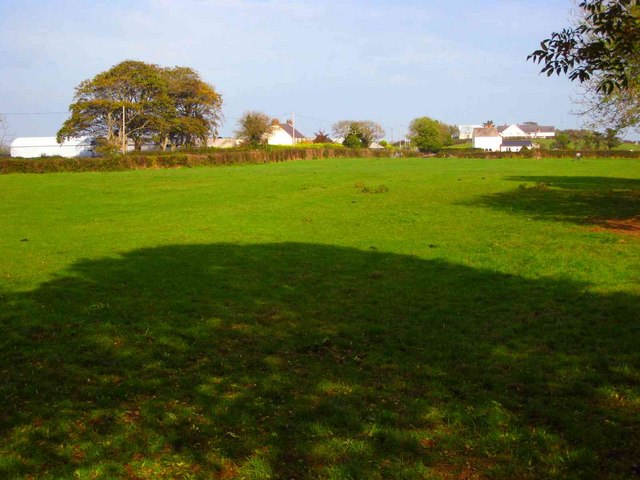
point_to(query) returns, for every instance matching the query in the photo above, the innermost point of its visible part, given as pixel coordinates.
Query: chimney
(275, 121)
(289, 122)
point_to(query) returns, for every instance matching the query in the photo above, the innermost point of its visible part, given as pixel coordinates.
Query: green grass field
(334, 319)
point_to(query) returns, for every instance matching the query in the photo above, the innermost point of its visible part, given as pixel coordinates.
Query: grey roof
(529, 128)
(290, 130)
(516, 143)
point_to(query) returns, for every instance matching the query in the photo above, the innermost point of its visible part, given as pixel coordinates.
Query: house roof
(529, 128)
(290, 130)
(516, 143)
(485, 132)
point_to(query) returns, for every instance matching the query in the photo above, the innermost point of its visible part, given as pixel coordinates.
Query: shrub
(366, 189)
(352, 141)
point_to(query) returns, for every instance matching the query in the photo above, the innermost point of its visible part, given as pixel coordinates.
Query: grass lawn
(334, 319)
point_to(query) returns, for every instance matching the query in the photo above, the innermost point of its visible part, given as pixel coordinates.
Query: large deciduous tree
(353, 131)
(196, 111)
(429, 135)
(143, 103)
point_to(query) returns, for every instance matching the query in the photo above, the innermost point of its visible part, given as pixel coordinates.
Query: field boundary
(177, 160)
(159, 160)
(539, 153)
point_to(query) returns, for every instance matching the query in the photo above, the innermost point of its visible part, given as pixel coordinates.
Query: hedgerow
(135, 161)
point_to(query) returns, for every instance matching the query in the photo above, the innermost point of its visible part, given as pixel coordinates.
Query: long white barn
(35, 147)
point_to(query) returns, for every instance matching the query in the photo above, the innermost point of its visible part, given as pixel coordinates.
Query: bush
(352, 141)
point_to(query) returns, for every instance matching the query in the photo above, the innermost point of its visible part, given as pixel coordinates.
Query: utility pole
(124, 136)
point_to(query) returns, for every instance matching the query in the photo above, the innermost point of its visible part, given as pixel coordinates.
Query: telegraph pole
(124, 136)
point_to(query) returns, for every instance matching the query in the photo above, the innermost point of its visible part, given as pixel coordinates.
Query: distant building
(515, 145)
(35, 147)
(465, 132)
(527, 130)
(223, 142)
(284, 134)
(487, 138)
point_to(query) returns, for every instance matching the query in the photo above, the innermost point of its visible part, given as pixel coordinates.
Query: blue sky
(459, 61)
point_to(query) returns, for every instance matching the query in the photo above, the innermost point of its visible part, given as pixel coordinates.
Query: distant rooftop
(486, 132)
(530, 127)
(287, 127)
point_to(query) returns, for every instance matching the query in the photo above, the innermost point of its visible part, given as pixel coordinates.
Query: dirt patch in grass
(628, 226)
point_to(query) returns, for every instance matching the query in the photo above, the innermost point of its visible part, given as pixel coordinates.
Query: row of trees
(253, 129)
(141, 102)
(425, 134)
(586, 139)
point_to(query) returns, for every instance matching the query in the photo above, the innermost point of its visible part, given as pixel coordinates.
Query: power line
(316, 119)
(33, 113)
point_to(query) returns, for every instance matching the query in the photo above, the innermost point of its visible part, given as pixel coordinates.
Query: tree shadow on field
(610, 203)
(313, 361)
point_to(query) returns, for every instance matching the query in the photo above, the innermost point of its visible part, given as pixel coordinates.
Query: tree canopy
(253, 128)
(604, 45)
(144, 102)
(4, 134)
(322, 137)
(358, 133)
(429, 135)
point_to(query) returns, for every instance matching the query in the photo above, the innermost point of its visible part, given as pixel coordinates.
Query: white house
(511, 131)
(527, 130)
(487, 138)
(284, 134)
(35, 147)
(465, 132)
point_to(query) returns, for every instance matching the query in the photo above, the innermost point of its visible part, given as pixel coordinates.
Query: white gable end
(279, 137)
(513, 131)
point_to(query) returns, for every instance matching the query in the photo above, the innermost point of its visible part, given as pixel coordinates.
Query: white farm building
(284, 134)
(487, 138)
(36, 147)
(527, 130)
(465, 132)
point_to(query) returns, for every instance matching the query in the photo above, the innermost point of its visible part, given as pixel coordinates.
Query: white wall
(36, 147)
(487, 143)
(510, 149)
(280, 137)
(542, 135)
(513, 131)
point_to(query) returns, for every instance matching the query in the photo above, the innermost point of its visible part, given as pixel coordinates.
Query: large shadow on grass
(310, 361)
(600, 201)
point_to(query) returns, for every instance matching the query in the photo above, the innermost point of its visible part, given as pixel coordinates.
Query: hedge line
(176, 160)
(539, 153)
(236, 157)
